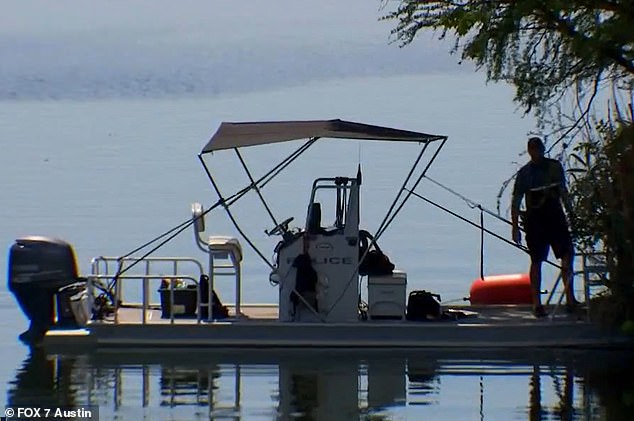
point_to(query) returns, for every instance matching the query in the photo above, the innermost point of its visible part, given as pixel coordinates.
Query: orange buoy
(502, 289)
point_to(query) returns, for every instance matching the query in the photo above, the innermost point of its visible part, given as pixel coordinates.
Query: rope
(472, 204)
(455, 300)
(171, 233)
(147, 243)
(224, 202)
(462, 218)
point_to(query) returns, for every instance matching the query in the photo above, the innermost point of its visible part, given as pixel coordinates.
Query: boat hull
(339, 335)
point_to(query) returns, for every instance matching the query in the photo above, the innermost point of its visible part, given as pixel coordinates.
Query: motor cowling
(38, 268)
(44, 261)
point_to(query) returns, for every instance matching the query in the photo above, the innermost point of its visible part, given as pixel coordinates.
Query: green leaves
(561, 55)
(543, 47)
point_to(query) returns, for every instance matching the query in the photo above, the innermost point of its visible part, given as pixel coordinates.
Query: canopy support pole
(255, 186)
(287, 161)
(231, 217)
(262, 181)
(400, 191)
(409, 191)
(481, 244)
(387, 220)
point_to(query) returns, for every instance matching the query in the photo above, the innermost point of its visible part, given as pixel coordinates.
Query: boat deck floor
(258, 327)
(262, 313)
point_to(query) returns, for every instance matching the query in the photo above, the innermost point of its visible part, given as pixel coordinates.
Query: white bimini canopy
(236, 135)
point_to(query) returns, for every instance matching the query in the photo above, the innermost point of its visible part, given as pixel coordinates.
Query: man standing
(543, 185)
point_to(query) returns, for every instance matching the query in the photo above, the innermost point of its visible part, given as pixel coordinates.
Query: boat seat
(313, 222)
(223, 246)
(313, 226)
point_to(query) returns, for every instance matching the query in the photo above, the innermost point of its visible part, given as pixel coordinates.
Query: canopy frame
(254, 185)
(365, 133)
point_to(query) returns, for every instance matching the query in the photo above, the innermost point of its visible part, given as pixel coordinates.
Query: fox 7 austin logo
(24, 413)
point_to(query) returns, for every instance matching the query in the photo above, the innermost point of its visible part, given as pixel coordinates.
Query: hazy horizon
(76, 50)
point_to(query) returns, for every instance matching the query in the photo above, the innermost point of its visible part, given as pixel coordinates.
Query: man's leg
(538, 250)
(562, 245)
(567, 275)
(536, 282)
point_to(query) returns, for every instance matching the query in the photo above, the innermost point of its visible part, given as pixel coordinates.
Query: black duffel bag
(372, 262)
(423, 305)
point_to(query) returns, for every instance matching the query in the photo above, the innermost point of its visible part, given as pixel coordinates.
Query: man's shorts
(547, 228)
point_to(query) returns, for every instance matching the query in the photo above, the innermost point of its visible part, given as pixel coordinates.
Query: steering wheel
(365, 239)
(280, 228)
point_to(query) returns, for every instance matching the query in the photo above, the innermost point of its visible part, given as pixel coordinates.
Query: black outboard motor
(38, 267)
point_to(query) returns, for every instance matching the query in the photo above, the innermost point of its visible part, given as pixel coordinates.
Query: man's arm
(516, 201)
(563, 189)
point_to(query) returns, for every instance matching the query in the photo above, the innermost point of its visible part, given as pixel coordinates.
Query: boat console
(316, 268)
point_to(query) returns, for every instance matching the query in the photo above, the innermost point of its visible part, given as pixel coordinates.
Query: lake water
(107, 175)
(328, 385)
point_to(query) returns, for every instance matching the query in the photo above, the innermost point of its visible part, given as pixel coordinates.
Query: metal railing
(594, 273)
(105, 269)
(594, 268)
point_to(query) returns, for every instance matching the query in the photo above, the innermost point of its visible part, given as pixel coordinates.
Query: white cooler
(387, 296)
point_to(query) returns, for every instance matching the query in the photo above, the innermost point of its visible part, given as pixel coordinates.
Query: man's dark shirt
(541, 183)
